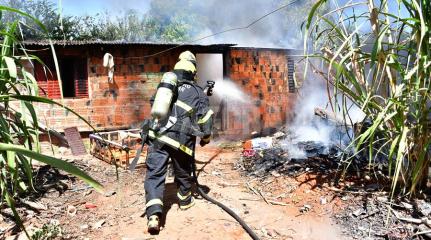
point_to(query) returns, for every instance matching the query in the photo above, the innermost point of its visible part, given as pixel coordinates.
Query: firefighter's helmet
(188, 56)
(185, 70)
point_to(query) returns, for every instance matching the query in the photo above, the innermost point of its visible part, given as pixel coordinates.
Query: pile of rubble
(281, 153)
(286, 152)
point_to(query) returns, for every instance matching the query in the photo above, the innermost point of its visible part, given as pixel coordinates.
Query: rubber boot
(153, 224)
(190, 202)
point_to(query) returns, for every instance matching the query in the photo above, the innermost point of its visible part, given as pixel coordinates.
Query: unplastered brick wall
(262, 74)
(121, 104)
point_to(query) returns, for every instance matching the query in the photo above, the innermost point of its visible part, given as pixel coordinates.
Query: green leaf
(11, 160)
(392, 152)
(30, 108)
(11, 203)
(55, 162)
(28, 171)
(11, 66)
(39, 23)
(23, 186)
(30, 98)
(378, 45)
(33, 81)
(309, 19)
(402, 147)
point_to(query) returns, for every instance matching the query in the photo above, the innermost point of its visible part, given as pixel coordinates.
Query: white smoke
(278, 29)
(306, 126)
(311, 95)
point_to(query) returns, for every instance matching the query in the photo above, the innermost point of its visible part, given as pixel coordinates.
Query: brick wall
(263, 75)
(122, 104)
(260, 73)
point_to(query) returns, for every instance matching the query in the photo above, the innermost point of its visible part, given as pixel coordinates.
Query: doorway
(210, 67)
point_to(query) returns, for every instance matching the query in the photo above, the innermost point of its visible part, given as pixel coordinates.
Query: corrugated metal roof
(291, 50)
(116, 42)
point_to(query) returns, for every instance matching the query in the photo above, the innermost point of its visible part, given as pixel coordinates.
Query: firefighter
(190, 109)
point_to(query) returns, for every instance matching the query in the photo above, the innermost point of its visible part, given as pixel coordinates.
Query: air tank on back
(164, 95)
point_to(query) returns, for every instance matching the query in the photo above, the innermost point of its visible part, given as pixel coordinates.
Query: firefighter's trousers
(157, 163)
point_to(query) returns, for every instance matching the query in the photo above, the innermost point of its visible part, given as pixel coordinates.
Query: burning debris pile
(315, 138)
(290, 158)
(287, 152)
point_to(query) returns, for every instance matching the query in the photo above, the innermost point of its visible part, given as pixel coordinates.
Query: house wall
(122, 104)
(263, 75)
(259, 73)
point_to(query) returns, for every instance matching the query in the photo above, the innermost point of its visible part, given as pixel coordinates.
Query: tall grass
(19, 127)
(378, 55)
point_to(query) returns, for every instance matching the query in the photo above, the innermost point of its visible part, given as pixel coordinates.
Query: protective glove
(204, 141)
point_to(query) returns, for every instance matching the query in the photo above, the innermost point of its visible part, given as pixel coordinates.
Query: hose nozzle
(155, 126)
(209, 88)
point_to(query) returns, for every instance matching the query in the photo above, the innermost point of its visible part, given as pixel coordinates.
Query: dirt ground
(277, 207)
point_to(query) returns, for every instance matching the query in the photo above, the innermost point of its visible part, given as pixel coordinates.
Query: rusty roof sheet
(289, 50)
(116, 42)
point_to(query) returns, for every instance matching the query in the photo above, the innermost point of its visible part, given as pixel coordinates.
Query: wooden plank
(75, 141)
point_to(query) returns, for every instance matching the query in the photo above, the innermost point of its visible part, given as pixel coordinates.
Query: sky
(92, 7)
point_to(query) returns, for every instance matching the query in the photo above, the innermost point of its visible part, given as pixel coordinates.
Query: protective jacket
(190, 116)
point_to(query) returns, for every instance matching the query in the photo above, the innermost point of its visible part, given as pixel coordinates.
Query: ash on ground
(376, 217)
(277, 160)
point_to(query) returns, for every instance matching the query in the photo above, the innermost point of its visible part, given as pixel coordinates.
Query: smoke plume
(280, 29)
(204, 18)
(307, 127)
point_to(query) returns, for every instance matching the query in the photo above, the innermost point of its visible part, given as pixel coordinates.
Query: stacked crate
(114, 149)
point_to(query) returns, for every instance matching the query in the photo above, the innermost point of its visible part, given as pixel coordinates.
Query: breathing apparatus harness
(188, 129)
(174, 122)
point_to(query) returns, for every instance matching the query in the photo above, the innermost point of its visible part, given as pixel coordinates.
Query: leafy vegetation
(48, 231)
(19, 125)
(378, 55)
(130, 26)
(168, 21)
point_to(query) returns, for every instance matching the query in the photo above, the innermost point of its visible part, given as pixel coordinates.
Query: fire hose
(201, 192)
